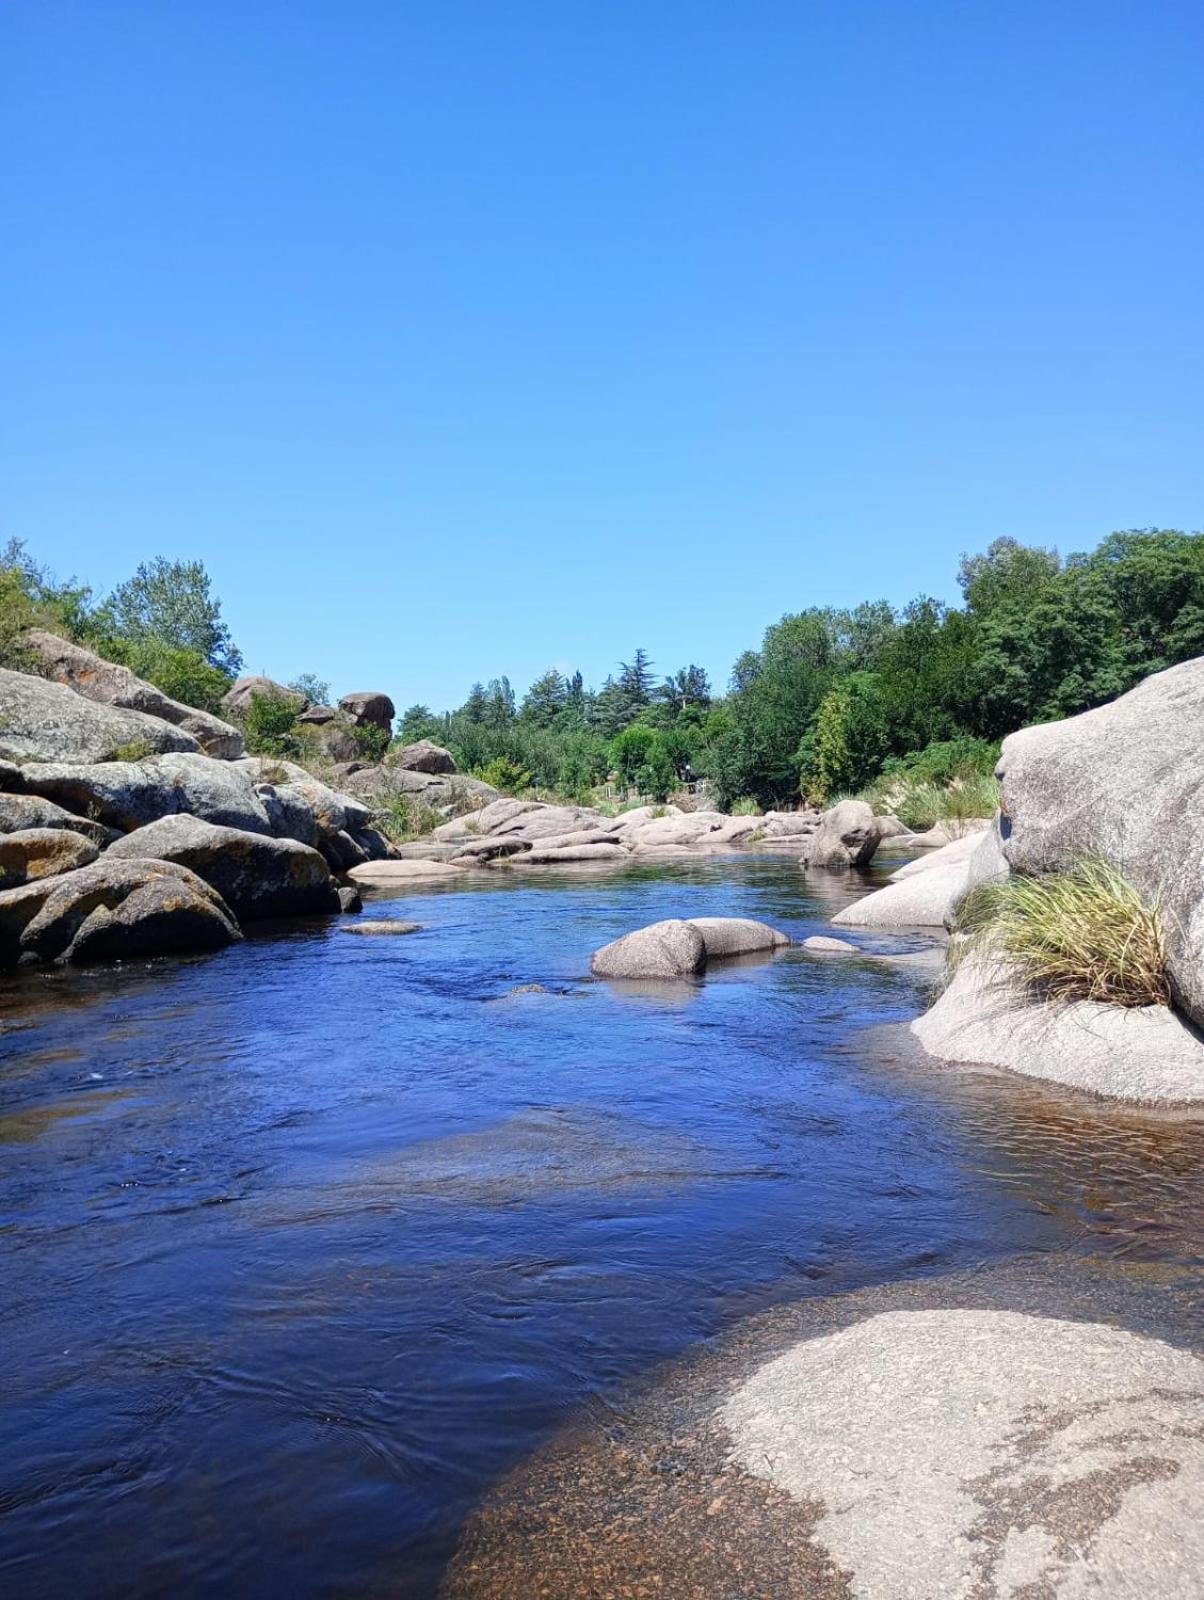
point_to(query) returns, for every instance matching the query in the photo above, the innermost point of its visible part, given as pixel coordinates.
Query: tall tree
(170, 602)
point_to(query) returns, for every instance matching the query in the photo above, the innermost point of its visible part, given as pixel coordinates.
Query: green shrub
(401, 817)
(372, 741)
(504, 775)
(183, 674)
(1084, 934)
(269, 726)
(746, 806)
(135, 750)
(920, 804)
(657, 775)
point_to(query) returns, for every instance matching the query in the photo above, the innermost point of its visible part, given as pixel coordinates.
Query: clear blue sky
(462, 339)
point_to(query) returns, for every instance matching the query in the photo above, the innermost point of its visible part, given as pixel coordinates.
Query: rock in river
(681, 949)
(256, 876)
(113, 909)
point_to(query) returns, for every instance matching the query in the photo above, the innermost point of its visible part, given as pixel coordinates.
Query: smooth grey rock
(19, 812)
(381, 927)
(256, 876)
(986, 1453)
(41, 721)
(947, 855)
(1145, 1054)
(341, 851)
(669, 949)
(1125, 782)
(236, 702)
(737, 936)
(476, 852)
(819, 944)
(926, 900)
(350, 899)
(108, 684)
(317, 716)
(128, 794)
(42, 853)
(386, 874)
(847, 836)
(369, 708)
(111, 910)
(423, 756)
(546, 855)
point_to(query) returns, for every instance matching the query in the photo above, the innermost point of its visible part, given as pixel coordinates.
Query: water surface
(307, 1243)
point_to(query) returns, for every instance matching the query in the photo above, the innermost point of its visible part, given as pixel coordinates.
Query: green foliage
(135, 750)
(183, 674)
(402, 817)
(506, 776)
(1085, 934)
(372, 741)
(31, 598)
(629, 750)
(946, 759)
(849, 739)
(657, 776)
(745, 807)
(170, 601)
(270, 725)
(316, 690)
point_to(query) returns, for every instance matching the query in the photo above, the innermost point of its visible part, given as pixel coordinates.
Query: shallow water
(306, 1244)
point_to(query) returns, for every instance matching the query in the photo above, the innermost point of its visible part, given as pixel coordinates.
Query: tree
(635, 679)
(545, 699)
(629, 750)
(656, 776)
(418, 722)
(849, 739)
(1007, 573)
(316, 690)
(689, 686)
(169, 601)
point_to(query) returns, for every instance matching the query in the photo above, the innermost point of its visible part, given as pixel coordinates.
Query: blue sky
(462, 339)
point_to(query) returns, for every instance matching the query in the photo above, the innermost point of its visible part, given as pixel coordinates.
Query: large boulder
(847, 836)
(111, 685)
(110, 910)
(737, 936)
(924, 901)
(423, 756)
(369, 708)
(1146, 1054)
(45, 721)
(42, 853)
(19, 812)
(669, 949)
(128, 794)
(236, 702)
(1124, 782)
(446, 792)
(255, 876)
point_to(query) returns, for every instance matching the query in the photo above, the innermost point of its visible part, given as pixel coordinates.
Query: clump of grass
(135, 750)
(403, 817)
(1083, 934)
(919, 803)
(745, 807)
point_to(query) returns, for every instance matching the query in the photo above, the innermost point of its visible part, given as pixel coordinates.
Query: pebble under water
(309, 1243)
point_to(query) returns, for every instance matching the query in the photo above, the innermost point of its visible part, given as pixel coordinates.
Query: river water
(307, 1244)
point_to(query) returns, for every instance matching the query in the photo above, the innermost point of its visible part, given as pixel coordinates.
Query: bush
(506, 776)
(185, 675)
(136, 750)
(1085, 934)
(372, 741)
(269, 726)
(745, 807)
(920, 803)
(402, 817)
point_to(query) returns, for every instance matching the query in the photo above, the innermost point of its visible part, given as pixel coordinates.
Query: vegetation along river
(309, 1243)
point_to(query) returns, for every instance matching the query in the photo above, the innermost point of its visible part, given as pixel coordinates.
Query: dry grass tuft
(1084, 934)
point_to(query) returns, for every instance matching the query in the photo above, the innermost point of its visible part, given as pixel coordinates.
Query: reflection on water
(308, 1242)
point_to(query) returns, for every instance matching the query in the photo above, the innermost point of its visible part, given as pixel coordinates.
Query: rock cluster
(130, 824)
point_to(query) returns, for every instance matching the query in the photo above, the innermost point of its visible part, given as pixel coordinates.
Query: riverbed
(309, 1244)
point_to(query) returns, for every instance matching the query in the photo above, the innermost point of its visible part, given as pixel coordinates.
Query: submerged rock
(986, 1452)
(255, 876)
(381, 927)
(820, 945)
(110, 910)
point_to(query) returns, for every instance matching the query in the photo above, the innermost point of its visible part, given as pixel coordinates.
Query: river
(308, 1243)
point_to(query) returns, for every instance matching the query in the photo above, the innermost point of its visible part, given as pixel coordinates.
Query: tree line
(831, 699)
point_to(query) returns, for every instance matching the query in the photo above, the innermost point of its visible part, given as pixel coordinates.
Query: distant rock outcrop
(369, 708)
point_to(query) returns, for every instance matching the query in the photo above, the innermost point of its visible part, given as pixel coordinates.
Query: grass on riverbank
(1084, 934)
